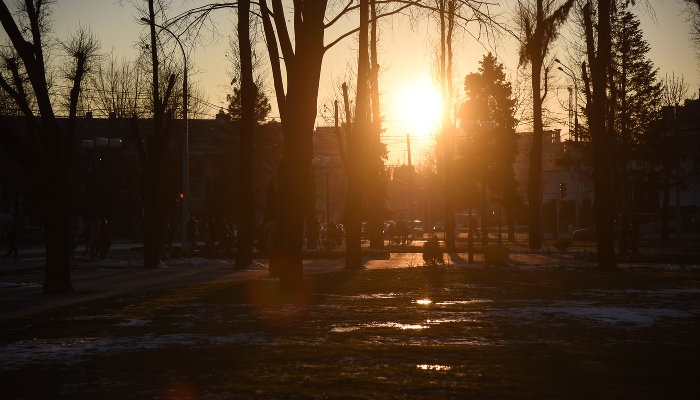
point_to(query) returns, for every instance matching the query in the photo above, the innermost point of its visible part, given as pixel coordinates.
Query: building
(107, 168)
(566, 177)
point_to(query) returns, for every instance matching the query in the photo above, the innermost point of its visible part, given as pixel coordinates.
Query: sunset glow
(420, 107)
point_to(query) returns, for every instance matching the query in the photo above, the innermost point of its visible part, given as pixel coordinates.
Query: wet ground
(527, 331)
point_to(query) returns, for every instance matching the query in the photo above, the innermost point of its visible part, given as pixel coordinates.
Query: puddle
(367, 296)
(433, 367)
(454, 302)
(389, 325)
(439, 321)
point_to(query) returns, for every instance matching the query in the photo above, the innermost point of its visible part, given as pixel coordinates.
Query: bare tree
(244, 252)
(674, 89)
(116, 88)
(151, 147)
(539, 25)
(296, 36)
(597, 109)
(357, 148)
(46, 149)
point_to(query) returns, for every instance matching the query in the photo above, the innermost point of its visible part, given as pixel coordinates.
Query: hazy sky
(405, 55)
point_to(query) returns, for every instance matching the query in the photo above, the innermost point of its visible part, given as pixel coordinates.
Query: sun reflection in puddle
(454, 302)
(423, 301)
(431, 367)
(391, 325)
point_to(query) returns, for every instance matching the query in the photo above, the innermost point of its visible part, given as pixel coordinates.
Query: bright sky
(406, 57)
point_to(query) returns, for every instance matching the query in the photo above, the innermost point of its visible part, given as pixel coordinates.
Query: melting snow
(635, 316)
(71, 351)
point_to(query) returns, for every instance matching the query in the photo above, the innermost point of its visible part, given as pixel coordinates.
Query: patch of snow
(646, 293)
(677, 267)
(71, 351)
(256, 266)
(196, 261)
(606, 315)
(20, 284)
(135, 322)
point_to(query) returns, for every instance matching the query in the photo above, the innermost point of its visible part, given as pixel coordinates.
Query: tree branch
(273, 52)
(282, 32)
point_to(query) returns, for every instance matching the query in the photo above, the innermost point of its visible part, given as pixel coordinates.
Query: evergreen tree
(262, 104)
(637, 87)
(489, 98)
(635, 94)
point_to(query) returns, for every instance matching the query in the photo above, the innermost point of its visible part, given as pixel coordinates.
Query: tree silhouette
(598, 112)
(47, 148)
(490, 98)
(539, 24)
(637, 96)
(249, 97)
(261, 108)
(151, 148)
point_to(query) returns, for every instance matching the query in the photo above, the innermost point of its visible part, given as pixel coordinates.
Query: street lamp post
(571, 75)
(185, 142)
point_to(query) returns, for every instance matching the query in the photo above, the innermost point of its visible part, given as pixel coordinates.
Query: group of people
(398, 233)
(218, 235)
(330, 239)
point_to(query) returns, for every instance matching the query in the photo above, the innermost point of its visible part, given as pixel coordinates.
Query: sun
(421, 108)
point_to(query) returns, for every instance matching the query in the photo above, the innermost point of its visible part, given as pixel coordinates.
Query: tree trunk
(298, 121)
(246, 228)
(57, 272)
(511, 224)
(376, 186)
(534, 190)
(603, 206)
(152, 214)
(665, 211)
(287, 256)
(357, 148)
(484, 216)
(447, 9)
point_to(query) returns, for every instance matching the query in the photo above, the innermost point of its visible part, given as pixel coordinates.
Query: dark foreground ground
(453, 332)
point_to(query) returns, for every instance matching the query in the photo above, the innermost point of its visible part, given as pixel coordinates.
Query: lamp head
(556, 60)
(560, 69)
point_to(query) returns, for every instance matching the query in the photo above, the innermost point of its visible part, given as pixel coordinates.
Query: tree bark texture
(602, 142)
(244, 251)
(534, 188)
(357, 149)
(298, 114)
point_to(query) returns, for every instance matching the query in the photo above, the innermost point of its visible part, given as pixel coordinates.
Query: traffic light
(562, 190)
